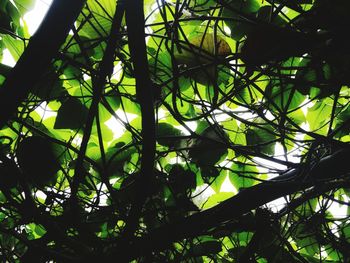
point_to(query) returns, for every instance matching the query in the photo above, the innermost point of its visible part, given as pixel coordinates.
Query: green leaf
(12, 14)
(40, 230)
(234, 132)
(237, 25)
(71, 115)
(208, 247)
(100, 24)
(117, 156)
(216, 199)
(24, 5)
(262, 137)
(294, 4)
(73, 76)
(202, 5)
(342, 118)
(107, 133)
(36, 230)
(181, 180)
(130, 106)
(113, 98)
(167, 134)
(37, 158)
(242, 175)
(297, 116)
(244, 95)
(218, 181)
(285, 97)
(75, 48)
(105, 8)
(210, 148)
(318, 117)
(266, 13)
(15, 46)
(93, 151)
(315, 74)
(244, 6)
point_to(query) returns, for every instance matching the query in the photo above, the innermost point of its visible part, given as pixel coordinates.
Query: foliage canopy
(175, 131)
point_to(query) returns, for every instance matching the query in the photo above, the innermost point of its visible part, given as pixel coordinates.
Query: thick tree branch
(329, 168)
(135, 22)
(37, 56)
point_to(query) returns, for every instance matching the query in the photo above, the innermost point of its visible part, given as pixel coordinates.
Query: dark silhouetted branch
(329, 168)
(37, 56)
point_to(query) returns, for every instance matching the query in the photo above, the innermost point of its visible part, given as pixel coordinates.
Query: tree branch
(135, 22)
(37, 56)
(329, 168)
(105, 70)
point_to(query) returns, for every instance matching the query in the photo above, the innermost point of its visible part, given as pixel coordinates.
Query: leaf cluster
(176, 131)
